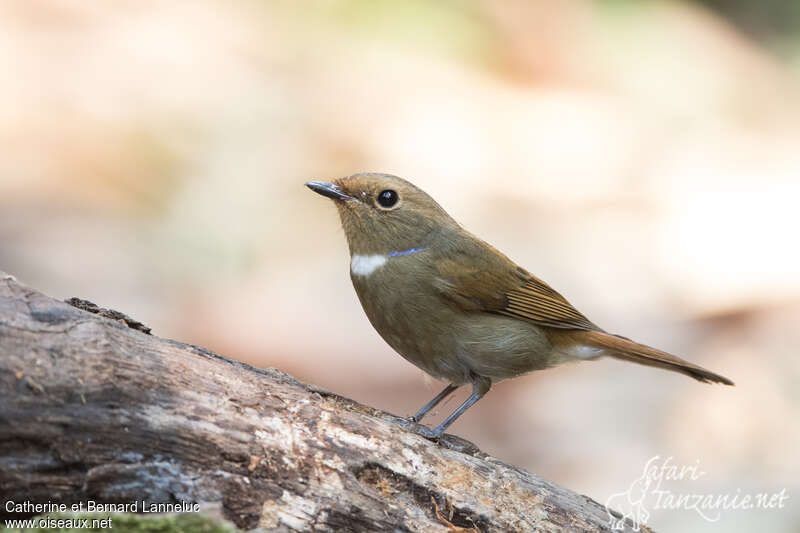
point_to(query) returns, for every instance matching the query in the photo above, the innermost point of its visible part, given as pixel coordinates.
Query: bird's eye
(388, 198)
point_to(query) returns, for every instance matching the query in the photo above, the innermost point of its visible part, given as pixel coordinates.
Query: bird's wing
(494, 284)
(541, 304)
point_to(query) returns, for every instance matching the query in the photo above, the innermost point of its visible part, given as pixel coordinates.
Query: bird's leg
(433, 403)
(480, 386)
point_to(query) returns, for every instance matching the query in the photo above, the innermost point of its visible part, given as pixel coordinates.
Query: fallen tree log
(94, 410)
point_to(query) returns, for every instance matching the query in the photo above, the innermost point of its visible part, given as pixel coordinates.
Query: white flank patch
(585, 352)
(364, 265)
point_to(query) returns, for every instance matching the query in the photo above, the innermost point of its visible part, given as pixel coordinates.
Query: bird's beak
(328, 189)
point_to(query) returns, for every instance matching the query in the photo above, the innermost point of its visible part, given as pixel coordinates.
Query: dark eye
(387, 198)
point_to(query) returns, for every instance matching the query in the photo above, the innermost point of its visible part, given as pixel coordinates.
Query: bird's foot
(410, 424)
(437, 435)
(457, 444)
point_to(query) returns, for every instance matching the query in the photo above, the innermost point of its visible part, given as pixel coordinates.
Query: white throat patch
(364, 265)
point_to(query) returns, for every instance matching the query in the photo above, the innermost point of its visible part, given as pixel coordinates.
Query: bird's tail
(627, 350)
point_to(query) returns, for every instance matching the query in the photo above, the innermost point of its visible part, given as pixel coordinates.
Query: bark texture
(93, 409)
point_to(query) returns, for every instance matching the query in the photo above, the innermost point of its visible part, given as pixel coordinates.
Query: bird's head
(382, 213)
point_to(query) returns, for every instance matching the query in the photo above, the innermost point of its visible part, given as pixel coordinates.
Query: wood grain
(91, 409)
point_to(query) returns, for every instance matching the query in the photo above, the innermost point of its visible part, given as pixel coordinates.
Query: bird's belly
(500, 347)
(452, 344)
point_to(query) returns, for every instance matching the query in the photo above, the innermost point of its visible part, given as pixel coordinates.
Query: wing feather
(494, 284)
(538, 302)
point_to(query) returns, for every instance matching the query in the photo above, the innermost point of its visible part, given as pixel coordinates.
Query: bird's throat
(363, 265)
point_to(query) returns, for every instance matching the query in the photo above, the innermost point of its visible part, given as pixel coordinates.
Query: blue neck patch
(406, 252)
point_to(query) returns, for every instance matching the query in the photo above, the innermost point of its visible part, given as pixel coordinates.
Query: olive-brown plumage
(456, 307)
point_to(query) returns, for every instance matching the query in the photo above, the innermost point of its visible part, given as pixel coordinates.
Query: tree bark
(93, 409)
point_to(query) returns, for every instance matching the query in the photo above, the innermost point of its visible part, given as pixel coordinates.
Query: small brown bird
(453, 305)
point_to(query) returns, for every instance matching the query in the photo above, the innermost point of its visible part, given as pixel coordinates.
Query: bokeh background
(641, 156)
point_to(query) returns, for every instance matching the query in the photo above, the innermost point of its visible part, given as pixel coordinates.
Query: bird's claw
(410, 424)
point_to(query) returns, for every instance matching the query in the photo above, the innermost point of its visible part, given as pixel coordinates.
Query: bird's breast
(399, 297)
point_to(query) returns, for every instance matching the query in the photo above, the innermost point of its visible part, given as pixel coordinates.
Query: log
(92, 409)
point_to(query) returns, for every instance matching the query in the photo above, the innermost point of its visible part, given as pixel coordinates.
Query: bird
(455, 306)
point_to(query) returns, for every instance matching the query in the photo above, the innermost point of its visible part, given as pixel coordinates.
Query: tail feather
(628, 350)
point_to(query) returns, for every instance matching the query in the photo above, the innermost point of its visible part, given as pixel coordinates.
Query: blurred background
(643, 157)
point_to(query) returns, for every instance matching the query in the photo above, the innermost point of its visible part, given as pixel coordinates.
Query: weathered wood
(91, 409)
